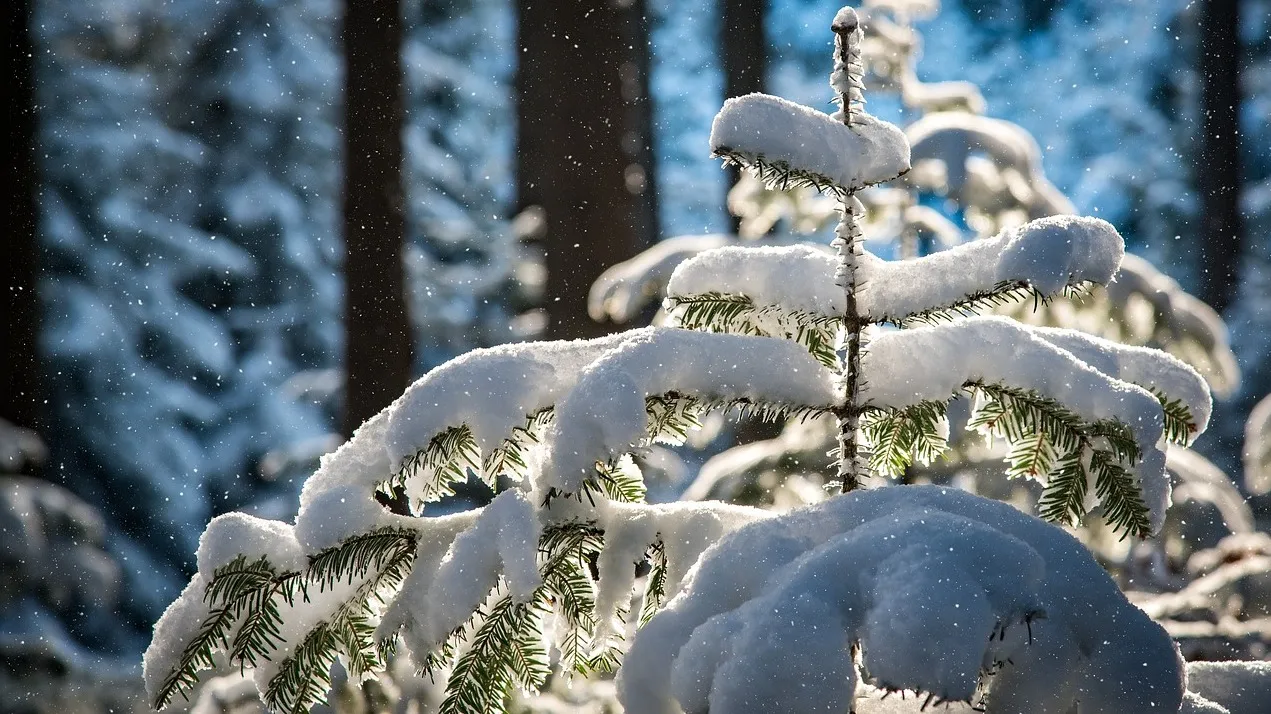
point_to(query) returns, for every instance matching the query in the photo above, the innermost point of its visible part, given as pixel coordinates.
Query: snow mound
(777, 131)
(936, 586)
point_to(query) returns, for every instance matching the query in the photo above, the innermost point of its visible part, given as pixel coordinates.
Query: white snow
(973, 152)
(1193, 703)
(797, 277)
(232, 534)
(903, 367)
(921, 576)
(1257, 448)
(624, 288)
(411, 607)
(685, 530)
(1047, 254)
(177, 626)
(491, 390)
(1055, 251)
(1144, 366)
(1198, 479)
(338, 500)
(605, 413)
(1178, 318)
(1238, 687)
(626, 540)
(761, 126)
(503, 541)
(847, 78)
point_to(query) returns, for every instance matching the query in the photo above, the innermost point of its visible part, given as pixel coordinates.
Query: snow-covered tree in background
(183, 272)
(471, 278)
(191, 173)
(487, 596)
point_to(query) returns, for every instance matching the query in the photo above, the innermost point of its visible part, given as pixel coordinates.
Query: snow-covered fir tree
(987, 175)
(957, 597)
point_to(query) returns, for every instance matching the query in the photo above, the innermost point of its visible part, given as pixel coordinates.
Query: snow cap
(845, 20)
(777, 131)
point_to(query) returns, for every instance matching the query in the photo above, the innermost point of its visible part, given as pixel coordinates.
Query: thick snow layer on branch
(904, 367)
(797, 277)
(1046, 254)
(491, 390)
(177, 626)
(1182, 323)
(684, 529)
(624, 288)
(1144, 366)
(1238, 687)
(952, 137)
(1198, 479)
(605, 413)
(412, 607)
(778, 131)
(338, 500)
(935, 584)
(501, 542)
(233, 534)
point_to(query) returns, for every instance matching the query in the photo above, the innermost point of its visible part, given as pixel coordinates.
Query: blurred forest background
(237, 228)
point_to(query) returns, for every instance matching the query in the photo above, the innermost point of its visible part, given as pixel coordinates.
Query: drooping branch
(1039, 259)
(606, 413)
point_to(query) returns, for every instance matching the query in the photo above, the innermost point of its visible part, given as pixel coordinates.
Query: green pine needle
(1045, 437)
(237, 592)
(655, 585)
(779, 175)
(1007, 292)
(1180, 425)
(1064, 498)
(739, 315)
(894, 438)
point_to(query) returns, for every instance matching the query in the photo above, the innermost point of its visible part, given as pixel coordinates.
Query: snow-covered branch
(910, 367)
(943, 592)
(1043, 257)
(606, 412)
(788, 144)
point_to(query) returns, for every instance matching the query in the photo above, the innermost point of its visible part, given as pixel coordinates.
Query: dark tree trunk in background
(19, 363)
(584, 143)
(1218, 166)
(745, 50)
(377, 354)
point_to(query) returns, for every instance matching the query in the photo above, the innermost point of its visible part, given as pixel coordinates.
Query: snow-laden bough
(1043, 258)
(949, 594)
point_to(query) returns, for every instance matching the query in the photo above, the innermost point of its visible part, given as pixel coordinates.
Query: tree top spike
(845, 21)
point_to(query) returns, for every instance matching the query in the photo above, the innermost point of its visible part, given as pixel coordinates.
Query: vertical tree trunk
(377, 350)
(584, 143)
(744, 46)
(848, 243)
(1218, 166)
(19, 363)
